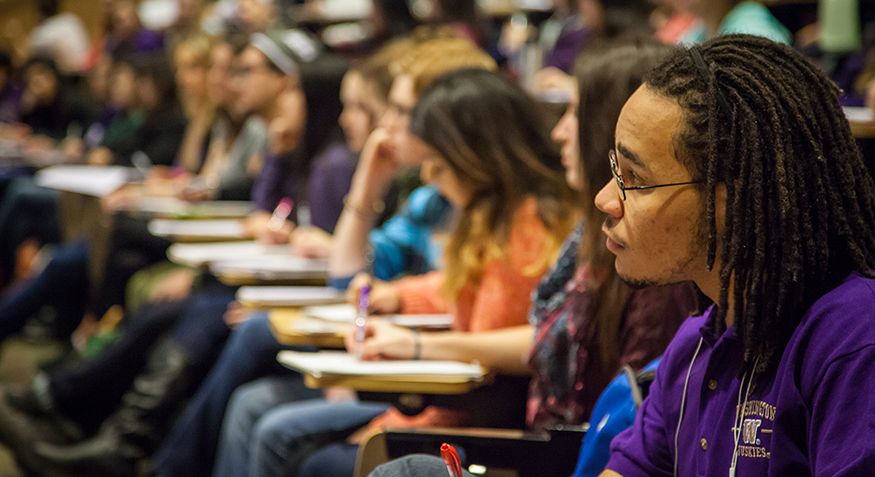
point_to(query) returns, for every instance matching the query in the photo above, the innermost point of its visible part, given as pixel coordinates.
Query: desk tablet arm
(527, 453)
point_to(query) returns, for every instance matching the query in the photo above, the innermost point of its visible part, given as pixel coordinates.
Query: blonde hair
(437, 57)
(493, 137)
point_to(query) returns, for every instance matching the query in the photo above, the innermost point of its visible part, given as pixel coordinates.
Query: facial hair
(696, 246)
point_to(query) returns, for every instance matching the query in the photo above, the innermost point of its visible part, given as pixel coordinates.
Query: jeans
(267, 436)
(26, 211)
(89, 392)
(63, 284)
(249, 354)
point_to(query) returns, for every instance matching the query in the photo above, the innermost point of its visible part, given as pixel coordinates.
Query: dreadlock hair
(800, 205)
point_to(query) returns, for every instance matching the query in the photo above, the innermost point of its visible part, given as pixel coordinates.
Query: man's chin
(638, 282)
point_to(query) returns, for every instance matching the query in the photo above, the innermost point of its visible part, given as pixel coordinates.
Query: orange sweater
(502, 299)
(504, 295)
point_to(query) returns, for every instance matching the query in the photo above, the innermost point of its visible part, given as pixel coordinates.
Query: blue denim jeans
(249, 354)
(266, 435)
(63, 284)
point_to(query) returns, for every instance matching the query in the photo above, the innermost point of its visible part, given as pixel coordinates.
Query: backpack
(613, 413)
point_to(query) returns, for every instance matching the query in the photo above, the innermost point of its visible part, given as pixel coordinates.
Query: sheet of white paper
(859, 114)
(288, 296)
(217, 229)
(346, 314)
(340, 313)
(88, 180)
(273, 268)
(315, 326)
(345, 364)
(169, 206)
(198, 254)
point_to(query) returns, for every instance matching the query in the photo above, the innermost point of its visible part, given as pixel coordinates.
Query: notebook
(338, 363)
(199, 254)
(265, 297)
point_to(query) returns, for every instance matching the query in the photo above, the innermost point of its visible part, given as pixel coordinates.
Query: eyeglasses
(615, 169)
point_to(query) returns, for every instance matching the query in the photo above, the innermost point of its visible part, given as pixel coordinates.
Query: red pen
(451, 458)
(280, 214)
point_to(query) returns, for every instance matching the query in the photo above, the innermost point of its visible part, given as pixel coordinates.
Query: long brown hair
(608, 72)
(490, 133)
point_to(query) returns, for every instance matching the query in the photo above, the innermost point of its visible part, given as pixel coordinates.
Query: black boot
(136, 429)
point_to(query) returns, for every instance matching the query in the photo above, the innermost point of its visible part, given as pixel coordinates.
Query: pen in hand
(280, 214)
(361, 320)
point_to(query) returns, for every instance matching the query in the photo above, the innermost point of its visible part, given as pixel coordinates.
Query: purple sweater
(813, 416)
(323, 188)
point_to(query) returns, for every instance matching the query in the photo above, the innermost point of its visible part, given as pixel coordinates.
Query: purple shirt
(815, 415)
(323, 187)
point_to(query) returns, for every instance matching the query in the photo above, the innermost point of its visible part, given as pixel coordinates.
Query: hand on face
(287, 129)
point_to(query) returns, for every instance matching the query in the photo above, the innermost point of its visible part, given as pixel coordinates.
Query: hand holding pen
(361, 320)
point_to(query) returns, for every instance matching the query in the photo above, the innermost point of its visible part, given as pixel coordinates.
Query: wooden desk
(275, 270)
(285, 325)
(862, 122)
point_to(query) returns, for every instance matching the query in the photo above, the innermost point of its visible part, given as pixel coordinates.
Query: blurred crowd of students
(443, 189)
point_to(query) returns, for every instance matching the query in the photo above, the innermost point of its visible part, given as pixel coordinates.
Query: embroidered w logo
(751, 426)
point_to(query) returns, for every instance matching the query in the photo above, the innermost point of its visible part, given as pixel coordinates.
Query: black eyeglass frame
(615, 169)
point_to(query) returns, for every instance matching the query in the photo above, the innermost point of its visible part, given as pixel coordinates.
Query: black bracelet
(417, 345)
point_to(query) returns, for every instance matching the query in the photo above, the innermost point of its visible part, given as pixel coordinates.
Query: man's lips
(612, 244)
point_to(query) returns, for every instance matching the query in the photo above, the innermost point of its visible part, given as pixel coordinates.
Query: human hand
(257, 226)
(382, 298)
(383, 341)
(376, 168)
(175, 286)
(554, 78)
(311, 242)
(235, 315)
(287, 129)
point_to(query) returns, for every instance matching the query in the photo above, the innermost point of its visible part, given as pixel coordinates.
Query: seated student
(580, 306)
(160, 134)
(776, 378)
(164, 353)
(403, 244)
(251, 350)
(486, 148)
(720, 17)
(48, 106)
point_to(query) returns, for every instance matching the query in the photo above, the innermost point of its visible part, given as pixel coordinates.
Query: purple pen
(361, 320)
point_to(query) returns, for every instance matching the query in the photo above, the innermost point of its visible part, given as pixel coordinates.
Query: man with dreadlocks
(735, 168)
